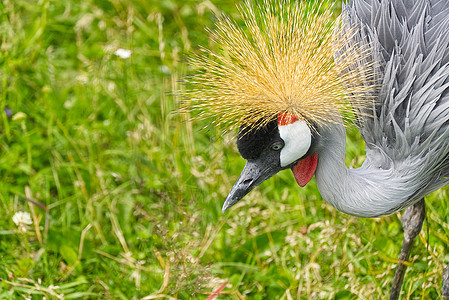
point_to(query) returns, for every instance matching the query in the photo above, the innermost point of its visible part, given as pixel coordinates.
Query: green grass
(126, 196)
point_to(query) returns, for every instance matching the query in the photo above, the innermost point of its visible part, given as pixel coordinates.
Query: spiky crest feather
(280, 61)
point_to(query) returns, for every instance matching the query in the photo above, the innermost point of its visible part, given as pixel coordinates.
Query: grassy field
(125, 196)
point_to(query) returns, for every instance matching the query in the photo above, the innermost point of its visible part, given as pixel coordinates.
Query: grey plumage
(407, 137)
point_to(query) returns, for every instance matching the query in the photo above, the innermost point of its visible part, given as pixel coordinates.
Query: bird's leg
(445, 289)
(412, 221)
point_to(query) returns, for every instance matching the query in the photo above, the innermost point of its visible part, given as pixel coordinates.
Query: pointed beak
(254, 173)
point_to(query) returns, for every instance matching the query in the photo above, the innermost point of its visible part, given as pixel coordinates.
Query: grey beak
(254, 173)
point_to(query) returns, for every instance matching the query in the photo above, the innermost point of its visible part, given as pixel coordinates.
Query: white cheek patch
(297, 138)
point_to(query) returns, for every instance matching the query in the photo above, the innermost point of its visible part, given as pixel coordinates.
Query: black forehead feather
(251, 142)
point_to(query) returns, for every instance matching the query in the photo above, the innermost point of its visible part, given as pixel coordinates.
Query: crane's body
(407, 134)
(281, 94)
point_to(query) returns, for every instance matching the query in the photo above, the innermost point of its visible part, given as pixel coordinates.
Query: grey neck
(368, 191)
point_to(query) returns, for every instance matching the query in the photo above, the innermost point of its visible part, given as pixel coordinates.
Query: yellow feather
(281, 59)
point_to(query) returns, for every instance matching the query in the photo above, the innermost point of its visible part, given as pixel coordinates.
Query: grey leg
(412, 221)
(445, 289)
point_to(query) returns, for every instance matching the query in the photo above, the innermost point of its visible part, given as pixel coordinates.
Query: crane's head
(283, 143)
(282, 69)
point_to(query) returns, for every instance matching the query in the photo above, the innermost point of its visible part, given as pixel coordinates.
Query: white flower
(22, 219)
(123, 53)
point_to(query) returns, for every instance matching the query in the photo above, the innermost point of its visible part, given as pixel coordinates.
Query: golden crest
(280, 58)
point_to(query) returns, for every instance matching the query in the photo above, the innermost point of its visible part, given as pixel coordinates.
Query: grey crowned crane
(287, 75)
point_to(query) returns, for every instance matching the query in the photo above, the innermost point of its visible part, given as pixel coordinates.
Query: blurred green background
(125, 196)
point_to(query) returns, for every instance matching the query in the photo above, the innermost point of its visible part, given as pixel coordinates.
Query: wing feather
(409, 127)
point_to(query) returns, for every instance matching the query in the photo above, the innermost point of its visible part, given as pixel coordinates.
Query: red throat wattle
(304, 169)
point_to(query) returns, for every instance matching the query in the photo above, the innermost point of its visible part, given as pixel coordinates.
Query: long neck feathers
(368, 191)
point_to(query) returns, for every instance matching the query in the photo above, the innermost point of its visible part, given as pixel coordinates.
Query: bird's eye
(277, 146)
